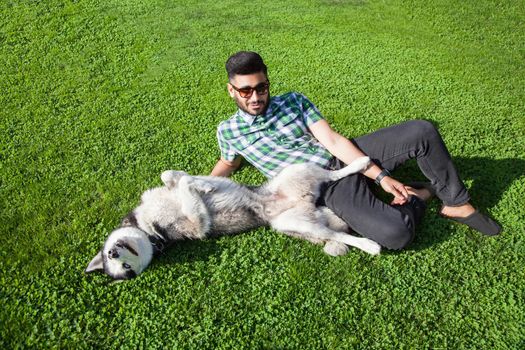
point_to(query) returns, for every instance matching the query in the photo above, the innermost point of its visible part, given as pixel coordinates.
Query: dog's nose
(113, 254)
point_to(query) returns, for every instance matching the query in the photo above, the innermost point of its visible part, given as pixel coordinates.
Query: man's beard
(242, 105)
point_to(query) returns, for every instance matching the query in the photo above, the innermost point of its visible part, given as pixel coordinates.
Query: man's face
(256, 103)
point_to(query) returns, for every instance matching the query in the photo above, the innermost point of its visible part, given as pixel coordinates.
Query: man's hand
(395, 188)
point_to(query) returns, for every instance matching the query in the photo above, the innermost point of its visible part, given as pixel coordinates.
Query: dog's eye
(126, 266)
(118, 245)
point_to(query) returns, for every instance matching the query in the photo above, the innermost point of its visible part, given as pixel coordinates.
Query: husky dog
(198, 207)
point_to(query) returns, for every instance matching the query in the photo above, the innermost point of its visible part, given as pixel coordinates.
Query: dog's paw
(361, 162)
(371, 247)
(170, 178)
(334, 248)
(203, 186)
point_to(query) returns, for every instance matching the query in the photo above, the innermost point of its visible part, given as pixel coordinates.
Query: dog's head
(125, 254)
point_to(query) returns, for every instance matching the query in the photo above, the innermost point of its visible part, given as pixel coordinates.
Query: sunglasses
(247, 92)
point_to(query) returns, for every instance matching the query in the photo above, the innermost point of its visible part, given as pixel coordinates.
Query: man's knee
(423, 128)
(396, 238)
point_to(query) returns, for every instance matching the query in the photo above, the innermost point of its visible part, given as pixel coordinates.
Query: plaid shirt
(275, 139)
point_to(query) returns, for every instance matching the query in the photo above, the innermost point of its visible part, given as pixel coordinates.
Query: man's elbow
(225, 168)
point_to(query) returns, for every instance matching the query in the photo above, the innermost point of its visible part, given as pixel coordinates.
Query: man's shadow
(486, 179)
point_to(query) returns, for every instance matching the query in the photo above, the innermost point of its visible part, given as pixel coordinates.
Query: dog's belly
(234, 221)
(234, 211)
(233, 208)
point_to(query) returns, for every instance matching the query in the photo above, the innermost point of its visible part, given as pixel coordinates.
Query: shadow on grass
(488, 180)
(490, 177)
(188, 251)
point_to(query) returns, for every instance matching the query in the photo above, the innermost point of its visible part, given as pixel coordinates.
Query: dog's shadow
(189, 251)
(487, 180)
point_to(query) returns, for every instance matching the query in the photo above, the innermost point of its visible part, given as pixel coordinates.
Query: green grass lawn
(97, 98)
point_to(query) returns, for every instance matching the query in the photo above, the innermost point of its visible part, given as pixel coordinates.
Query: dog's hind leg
(334, 248)
(356, 166)
(295, 220)
(335, 223)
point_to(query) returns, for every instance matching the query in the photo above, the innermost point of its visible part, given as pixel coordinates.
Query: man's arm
(225, 168)
(340, 147)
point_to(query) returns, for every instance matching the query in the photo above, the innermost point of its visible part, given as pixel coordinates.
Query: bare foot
(458, 212)
(422, 193)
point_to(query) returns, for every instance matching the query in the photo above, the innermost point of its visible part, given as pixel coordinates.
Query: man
(273, 132)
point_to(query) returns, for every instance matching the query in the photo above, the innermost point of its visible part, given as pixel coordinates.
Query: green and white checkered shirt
(275, 139)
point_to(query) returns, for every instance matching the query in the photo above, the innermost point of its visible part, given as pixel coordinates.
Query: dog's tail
(356, 166)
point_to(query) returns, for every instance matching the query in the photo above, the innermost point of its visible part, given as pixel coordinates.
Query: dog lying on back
(198, 207)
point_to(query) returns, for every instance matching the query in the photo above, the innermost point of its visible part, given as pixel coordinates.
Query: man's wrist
(372, 171)
(384, 173)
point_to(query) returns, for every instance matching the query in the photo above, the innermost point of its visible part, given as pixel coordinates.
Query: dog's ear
(129, 220)
(95, 264)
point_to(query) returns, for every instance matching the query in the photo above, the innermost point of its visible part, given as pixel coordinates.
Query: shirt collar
(247, 117)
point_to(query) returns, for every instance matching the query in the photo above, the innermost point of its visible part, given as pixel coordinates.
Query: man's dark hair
(245, 62)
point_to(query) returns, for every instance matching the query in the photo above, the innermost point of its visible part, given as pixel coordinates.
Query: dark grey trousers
(393, 226)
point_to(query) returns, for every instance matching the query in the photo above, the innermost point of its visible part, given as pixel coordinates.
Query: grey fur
(197, 207)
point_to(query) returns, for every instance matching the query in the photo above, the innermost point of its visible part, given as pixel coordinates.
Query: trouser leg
(419, 139)
(394, 226)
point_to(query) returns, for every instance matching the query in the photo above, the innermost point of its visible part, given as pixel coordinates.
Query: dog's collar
(158, 243)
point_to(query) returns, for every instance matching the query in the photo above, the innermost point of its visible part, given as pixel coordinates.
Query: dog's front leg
(192, 206)
(170, 178)
(202, 186)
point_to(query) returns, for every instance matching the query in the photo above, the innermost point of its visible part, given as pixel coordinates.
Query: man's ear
(96, 264)
(231, 90)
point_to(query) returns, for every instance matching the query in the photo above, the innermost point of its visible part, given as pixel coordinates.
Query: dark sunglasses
(247, 92)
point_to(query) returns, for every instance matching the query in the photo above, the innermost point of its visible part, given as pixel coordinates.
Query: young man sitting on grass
(273, 132)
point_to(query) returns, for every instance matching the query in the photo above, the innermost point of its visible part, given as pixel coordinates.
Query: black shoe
(478, 222)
